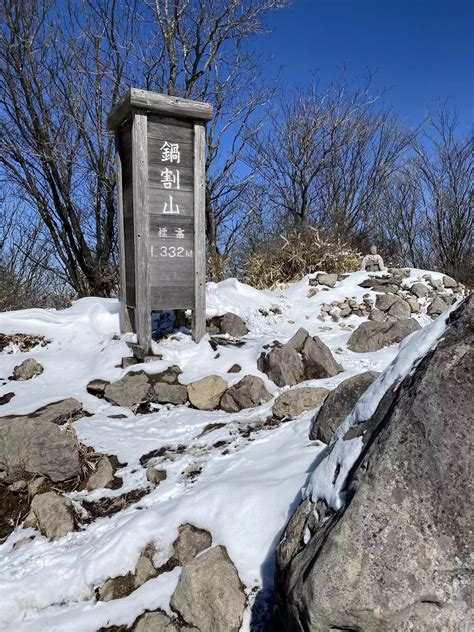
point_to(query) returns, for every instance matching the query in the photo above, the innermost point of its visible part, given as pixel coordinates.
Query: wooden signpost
(160, 153)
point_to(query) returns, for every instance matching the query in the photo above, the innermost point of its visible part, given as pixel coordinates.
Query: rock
(18, 487)
(209, 594)
(437, 283)
(338, 404)
(122, 586)
(54, 514)
(103, 477)
(395, 557)
(38, 485)
(448, 282)
(97, 387)
(282, 365)
(168, 376)
(318, 360)
(327, 279)
(414, 305)
(156, 622)
(400, 310)
(230, 324)
(437, 307)
(376, 316)
(372, 336)
(235, 368)
(29, 447)
(58, 412)
(190, 542)
(206, 393)
(164, 393)
(130, 391)
(27, 370)
(7, 397)
(420, 290)
(385, 301)
(155, 476)
(292, 403)
(249, 392)
(298, 340)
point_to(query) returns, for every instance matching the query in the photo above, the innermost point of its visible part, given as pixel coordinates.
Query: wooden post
(199, 313)
(140, 216)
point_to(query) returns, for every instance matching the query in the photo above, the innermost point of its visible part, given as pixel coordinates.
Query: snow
(241, 481)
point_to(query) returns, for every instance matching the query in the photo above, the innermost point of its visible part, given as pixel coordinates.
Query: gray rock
(282, 365)
(156, 622)
(249, 392)
(377, 316)
(372, 336)
(209, 594)
(228, 324)
(448, 282)
(437, 307)
(395, 558)
(155, 476)
(385, 301)
(327, 279)
(235, 368)
(338, 404)
(97, 387)
(28, 369)
(190, 542)
(206, 393)
(130, 391)
(400, 310)
(59, 412)
(122, 586)
(29, 447)
(298, 340)
(437, 284)
(292, 403)
(168, 376)
(318, 360)
(54, 514)
(103, 477)
(164, 393)
(37, 485)
(414, 305)
(420, 290)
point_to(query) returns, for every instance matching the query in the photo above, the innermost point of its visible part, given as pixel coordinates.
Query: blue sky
(420, 50)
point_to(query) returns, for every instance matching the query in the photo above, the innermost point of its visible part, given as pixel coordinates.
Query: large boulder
(327, 279)
(283, 365)
(338, 404)
(53, 514)
(437, 307)
(292, 403)
(318, 360)
(420, 290)
(190, 541)
(230, 324)
(206, 393)
(28, 369)
(249, 392)
(400, 310)
(59, 412)
(29, 447)
(372, 336)
(157, 622)
(130, 391)
(396, 556)
(209, 594)
(164, 393)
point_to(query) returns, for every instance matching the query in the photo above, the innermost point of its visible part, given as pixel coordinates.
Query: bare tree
(446, 169)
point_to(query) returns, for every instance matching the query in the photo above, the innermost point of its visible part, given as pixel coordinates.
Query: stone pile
(343, 308)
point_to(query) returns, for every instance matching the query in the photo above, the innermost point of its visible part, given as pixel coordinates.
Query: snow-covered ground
(240, 481)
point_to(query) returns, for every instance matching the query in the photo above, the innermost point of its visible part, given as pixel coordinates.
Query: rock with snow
(190, 541)
(283, 365)
(122, 586)
(230, 324)
(130, 391)
(448, 282)
(372, 336)
(292, 403)
(60, 412)
(395, 555)
(327, 279)
(205, 394)
(249, 392)
(97, 387)
(53, 515)
(210, 595)
(318, 360)
(338, 404)
(27, 370)
(155, 476)
(29, 447)
(420, 290)
(168, 376)
(157, 622)
(437, 307)
(103, 476)
(164, 393)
